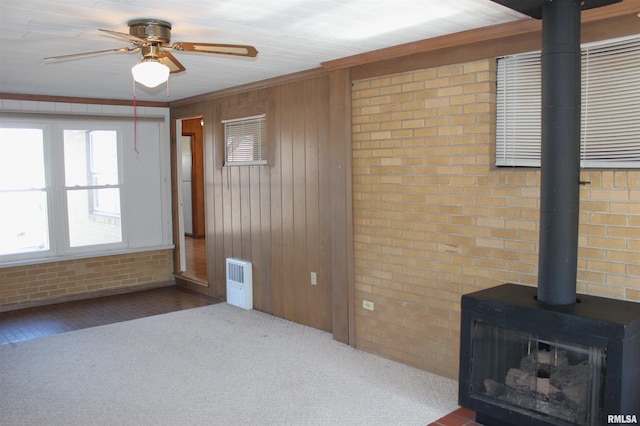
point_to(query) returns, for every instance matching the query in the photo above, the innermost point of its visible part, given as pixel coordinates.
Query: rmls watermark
(623, 419)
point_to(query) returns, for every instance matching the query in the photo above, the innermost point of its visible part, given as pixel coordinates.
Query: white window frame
(52, 231)
(610, 119)
(92, 126)
(145, 168)
(249, 131)
(57, 190)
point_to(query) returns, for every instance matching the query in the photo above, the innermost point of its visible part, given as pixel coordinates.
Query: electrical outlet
(314, 278)
(368, 305)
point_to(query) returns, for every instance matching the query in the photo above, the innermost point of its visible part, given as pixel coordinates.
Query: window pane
(94, 216)
(21, 159)
(91, 161)
(91, 157)
(23, 197)
(23, 222)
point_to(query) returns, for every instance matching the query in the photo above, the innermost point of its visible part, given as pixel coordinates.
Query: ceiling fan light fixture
(150, 72)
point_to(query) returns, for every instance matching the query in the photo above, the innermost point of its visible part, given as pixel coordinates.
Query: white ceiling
(290, 35)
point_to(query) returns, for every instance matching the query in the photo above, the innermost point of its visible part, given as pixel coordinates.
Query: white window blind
(245, 141)
(610, 116)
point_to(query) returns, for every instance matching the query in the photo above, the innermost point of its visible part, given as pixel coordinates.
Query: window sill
(36, 261)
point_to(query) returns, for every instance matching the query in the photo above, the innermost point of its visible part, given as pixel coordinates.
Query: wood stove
(523, 362)
(549, 356)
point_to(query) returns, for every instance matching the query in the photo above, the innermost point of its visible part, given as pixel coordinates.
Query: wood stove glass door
(537, 375)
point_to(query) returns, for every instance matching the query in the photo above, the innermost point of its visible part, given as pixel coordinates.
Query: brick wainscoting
(65, 280)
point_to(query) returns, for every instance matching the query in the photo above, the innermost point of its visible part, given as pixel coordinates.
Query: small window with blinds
(610, 110)
(245, 141)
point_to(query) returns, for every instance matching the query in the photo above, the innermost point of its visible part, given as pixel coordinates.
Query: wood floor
(31, 323)
(196, 257)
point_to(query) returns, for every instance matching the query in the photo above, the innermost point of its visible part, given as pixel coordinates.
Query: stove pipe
(560, 149)
(560, 152)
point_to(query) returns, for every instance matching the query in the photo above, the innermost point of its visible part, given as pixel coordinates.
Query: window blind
(610, 108)
(245, 141)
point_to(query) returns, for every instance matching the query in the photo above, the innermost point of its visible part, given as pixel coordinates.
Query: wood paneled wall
(281, 216)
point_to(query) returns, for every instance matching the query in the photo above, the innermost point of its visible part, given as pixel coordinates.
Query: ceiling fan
(152, 38)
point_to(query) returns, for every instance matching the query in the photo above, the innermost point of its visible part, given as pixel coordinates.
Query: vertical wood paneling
(232, 224)
(300, 284)
(278, 216)
(323, 242)
(255, 235)
(286, 165)
(215, 194)
(277, 273)
(341, 207)
(313, 303)
(244, 207)
(266, 253)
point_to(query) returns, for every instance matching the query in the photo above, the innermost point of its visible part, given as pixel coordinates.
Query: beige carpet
(215, 365)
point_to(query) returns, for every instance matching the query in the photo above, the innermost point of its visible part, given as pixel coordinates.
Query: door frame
(178, 220)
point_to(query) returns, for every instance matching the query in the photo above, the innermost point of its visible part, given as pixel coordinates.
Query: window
(92, 187)
(49, 209)
(24, 217)
(82, 184)
(60, 189)
(610, 123)
(245, 140)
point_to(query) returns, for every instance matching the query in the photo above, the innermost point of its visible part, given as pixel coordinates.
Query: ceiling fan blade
(170, 61)
(73, 55)
(131, 38)
(220, 49)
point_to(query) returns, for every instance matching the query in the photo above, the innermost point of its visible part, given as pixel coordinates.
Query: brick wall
(433, 218)
(37, 283)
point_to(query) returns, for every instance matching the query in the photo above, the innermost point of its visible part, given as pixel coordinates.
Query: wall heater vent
(239, 283)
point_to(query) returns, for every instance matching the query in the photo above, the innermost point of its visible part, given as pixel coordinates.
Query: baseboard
(190, 283)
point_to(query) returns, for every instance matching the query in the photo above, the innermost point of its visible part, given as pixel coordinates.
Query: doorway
(190, 188)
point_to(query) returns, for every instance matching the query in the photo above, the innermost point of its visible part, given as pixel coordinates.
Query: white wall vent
(239, 283)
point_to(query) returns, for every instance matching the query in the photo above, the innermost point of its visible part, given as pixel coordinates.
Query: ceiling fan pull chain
(135, 119)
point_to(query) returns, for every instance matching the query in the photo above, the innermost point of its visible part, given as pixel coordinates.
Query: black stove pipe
(560, 152)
